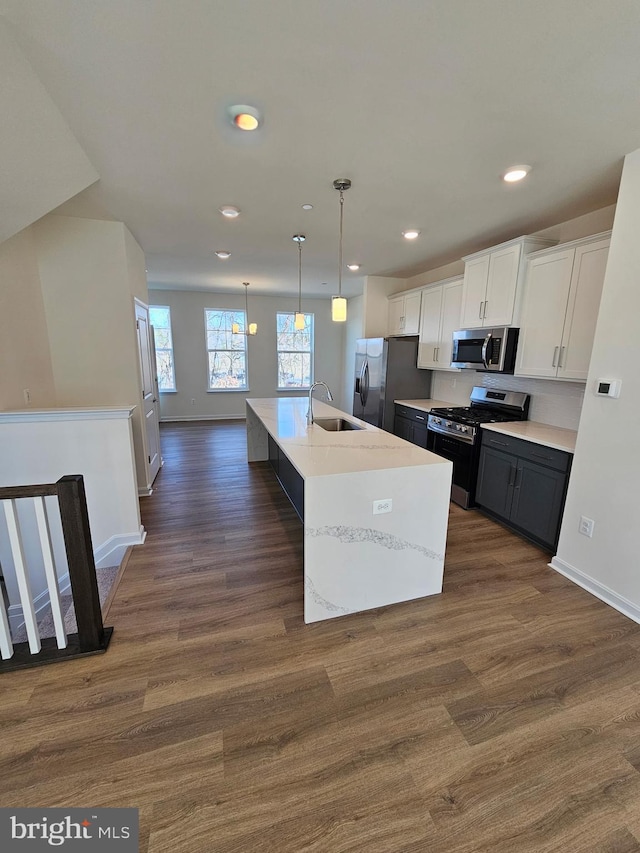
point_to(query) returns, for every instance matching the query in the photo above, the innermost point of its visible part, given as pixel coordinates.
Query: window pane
(295, 351)
(294, 370)
(164, 363)
(162, 338)
(159, 317)
(227, 369)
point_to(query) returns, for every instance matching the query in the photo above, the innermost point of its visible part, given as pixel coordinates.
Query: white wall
(25, 359)
(90, 270)
(187, 322)
(604, 478)
(41, 447)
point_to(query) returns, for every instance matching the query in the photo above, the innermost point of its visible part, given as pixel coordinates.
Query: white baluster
(26, 598)
(50, 571)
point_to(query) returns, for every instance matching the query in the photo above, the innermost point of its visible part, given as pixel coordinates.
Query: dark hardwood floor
(502, 716)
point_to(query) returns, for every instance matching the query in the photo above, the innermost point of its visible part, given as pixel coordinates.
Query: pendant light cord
(299, 277)
(340, 255)
(246, 305)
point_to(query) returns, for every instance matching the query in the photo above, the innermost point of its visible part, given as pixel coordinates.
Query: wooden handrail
(10, 493)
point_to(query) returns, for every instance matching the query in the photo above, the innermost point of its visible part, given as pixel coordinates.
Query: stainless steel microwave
(485, 349)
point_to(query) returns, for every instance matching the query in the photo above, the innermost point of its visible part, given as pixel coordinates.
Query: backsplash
(555, 403)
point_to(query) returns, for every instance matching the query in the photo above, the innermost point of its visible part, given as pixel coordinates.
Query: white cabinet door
(543, 312)
(396, 316)
(476, 274)
(412, 313)
(501, 286)
(582, 310)
(450, 321)
(430, 316)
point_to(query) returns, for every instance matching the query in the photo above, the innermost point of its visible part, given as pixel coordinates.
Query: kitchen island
(375, 507)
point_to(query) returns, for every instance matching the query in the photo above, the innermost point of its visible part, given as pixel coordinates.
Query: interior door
(150, 402)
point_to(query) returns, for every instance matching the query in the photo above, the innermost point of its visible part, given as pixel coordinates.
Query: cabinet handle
(541, 456)
(434, 353)
(484, 313)
(437, 353)
(501, 443)
(480, 311)
(560, 364)
(555, 356)
(518, 484)
(419, 418)
(512, 471)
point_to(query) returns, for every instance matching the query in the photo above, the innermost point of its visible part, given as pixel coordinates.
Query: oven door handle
(485, 347)
(465, 439)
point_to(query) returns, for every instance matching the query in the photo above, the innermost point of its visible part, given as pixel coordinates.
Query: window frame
(311, 352)
(240, 316)
(170, 349)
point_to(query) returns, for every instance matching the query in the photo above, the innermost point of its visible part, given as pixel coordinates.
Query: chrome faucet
(310, 409)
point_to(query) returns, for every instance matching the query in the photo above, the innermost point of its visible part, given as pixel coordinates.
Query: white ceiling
(421, 103)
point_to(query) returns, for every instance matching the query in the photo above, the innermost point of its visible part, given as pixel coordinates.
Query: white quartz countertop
(549, 436)
(425, 405)
(316, 452)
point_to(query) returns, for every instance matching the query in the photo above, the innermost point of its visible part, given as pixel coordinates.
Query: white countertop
(316, 452)
(549, 436)
(425, 405)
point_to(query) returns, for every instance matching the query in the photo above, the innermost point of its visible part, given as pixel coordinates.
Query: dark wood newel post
(82, 569)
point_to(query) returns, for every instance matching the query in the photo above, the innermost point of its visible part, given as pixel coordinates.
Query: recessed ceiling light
(410, 235)
(230, 211)
(353, 267)
(516, 173)
(307, 207)
(223, 255)
(244, 116)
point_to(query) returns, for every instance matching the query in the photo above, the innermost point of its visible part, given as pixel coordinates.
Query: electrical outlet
(27, 396)
(586, 526)
(384, 505)
(193, 401)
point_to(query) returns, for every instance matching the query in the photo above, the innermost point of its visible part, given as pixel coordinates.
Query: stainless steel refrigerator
(386, 371)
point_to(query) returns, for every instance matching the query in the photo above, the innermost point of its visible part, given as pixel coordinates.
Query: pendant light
(298, 322)
(339, 303)
(253, 327)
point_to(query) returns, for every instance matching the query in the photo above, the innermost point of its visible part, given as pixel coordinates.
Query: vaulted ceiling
(423, 104)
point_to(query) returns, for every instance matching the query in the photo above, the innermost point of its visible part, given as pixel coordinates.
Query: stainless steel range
(456, 434)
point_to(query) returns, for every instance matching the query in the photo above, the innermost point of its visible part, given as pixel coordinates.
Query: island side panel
(257, 437)
(355, 560)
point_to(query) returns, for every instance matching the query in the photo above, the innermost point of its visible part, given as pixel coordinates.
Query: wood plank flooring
(502, 715)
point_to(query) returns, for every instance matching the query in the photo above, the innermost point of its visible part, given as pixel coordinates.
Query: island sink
(335, 424)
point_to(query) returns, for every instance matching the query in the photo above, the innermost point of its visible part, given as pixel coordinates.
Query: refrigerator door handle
(365, 376)
(360, 382)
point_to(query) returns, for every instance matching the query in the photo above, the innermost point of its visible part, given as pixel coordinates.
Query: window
(160, 319)
(226, 352)
(295, 352)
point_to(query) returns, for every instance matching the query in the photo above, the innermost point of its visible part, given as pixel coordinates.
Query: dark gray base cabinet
(288, 477)
(524, 485)
(411, 424)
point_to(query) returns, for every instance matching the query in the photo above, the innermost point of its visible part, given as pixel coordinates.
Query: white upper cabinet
(560, 308)
(404, 313)
(493, 283)
(439, 318)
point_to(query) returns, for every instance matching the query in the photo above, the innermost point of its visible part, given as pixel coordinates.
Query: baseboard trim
(178, 418)
(113, 550)
(110, 553)
(618, 602)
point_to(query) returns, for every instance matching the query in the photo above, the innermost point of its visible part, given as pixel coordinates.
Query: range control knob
(464, 429)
